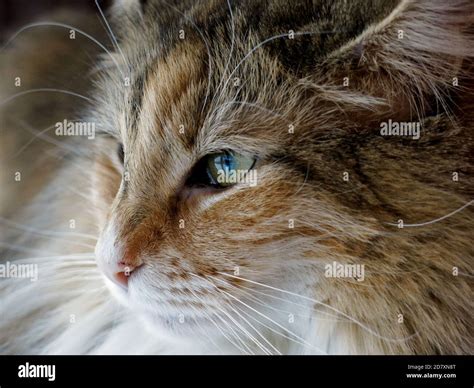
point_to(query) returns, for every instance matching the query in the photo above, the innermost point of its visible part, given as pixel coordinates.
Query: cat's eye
(120, 153)
(221, 169)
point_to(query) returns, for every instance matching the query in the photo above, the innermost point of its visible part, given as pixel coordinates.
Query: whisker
(260, 44)
(43, 232)
(261, 303)
(436, 219)
(272, 329)
(235, 335)
(55, 24)
(231, 318)
(271, 320)
(41, 134)
(256, 331)
(71, 257)
(65, 241)
(360, 324)
(40, 90)
(202, 330)
(114, 39)
(20, 248)
(244, 331)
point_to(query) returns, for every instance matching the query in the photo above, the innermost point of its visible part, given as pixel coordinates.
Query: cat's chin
(119, 293)
(169, 325)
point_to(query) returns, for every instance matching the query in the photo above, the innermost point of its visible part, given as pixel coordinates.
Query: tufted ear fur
(416, 59)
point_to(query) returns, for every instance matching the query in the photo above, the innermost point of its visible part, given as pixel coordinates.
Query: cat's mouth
(177, 312)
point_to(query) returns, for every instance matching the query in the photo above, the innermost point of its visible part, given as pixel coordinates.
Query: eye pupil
(225, 162)
(220, 169)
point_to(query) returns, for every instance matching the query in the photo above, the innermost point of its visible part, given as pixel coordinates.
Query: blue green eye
(222, 169)
(224, 162)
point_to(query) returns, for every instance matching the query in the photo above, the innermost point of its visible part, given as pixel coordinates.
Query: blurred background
(43, 57)
(17, 12)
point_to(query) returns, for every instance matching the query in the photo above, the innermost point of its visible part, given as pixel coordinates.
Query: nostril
(126, 269)
(122, 276)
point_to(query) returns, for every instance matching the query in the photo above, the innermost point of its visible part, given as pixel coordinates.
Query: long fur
(236, 81)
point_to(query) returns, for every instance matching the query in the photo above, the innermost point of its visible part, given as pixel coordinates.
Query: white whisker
(55, 24)
(248, 350)
(236, 323)
(41, 90)
(231, 305)
(360, 324)
(114, 39)
(44, 232)
(260, 44)
(274, 322)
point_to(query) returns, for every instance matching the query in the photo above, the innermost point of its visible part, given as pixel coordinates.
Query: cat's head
(242, 153)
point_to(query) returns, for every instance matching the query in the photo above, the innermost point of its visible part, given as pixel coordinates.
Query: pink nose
(117, 261)
(119, 272)
(125, 270)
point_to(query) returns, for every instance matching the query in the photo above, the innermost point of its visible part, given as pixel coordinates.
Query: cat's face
(241, 161)
(206, 189)
(187, 232)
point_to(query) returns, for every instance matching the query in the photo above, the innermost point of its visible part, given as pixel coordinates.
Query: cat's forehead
(178, 101)
(203, 74)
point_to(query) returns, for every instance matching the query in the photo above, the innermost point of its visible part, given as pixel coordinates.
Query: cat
(143, 246)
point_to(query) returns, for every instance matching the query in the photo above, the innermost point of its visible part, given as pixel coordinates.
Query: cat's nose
(117, 261)
(116, 265)
(125, 269)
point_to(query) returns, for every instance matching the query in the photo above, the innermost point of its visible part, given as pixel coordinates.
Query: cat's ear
(412, 57)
